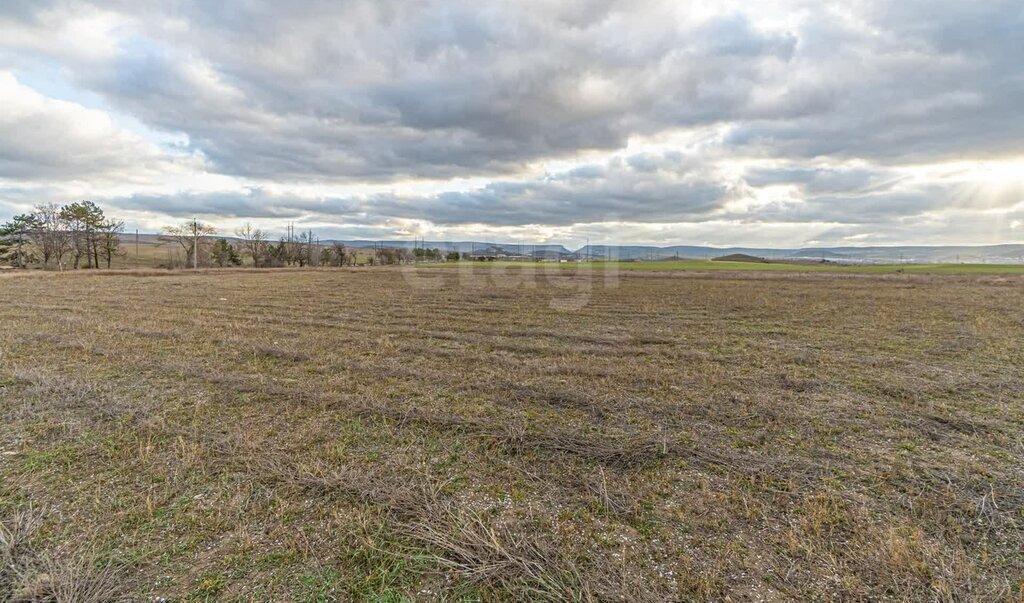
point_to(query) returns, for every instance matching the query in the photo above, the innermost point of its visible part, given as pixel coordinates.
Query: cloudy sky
(779, 123)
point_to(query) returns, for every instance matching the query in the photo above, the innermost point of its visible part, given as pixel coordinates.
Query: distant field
(471, 435)
(704, 265)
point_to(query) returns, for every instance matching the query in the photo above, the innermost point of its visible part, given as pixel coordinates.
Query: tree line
(203, 248)
(80, 236)
(76, 235)
(301, 249)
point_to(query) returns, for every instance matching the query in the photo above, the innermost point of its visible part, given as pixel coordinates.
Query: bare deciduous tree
(110, 238)
(254, 243)
(192, 236)
(51, 234)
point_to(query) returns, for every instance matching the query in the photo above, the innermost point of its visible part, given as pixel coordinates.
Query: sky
(778, 123)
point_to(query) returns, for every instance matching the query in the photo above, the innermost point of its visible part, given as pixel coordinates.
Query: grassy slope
(457, 435)
(706, 265)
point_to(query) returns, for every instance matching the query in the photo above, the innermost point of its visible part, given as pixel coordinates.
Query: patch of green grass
(208, 587)
(320, 586)
(60, 457)
(386, 573)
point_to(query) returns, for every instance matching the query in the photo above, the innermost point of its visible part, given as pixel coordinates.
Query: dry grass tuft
(17, 556)
(500, 556)
(614, 503)
(79, 398)
(27, 575)
(77, 580)
(403, 499)
(463, 543)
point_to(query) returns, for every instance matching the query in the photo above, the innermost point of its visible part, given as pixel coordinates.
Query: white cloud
(78, 34)
(54, 140)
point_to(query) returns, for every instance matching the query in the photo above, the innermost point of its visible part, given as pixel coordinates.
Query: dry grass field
(466, 435)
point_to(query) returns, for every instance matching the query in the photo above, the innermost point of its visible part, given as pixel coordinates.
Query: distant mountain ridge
(927, 254)
(922, 254)
(460, 246)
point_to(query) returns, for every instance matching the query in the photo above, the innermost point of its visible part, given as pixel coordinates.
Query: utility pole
(195, 244)
(136, 247)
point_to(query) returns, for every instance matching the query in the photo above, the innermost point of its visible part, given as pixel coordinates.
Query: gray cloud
(645, 188)
(386, 89)
(671, 190)
(817, 181)
(939, 80)
(374, 91)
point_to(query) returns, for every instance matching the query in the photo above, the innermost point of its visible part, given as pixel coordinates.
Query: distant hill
(482, 247)
(944, 254)
(739, 257)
